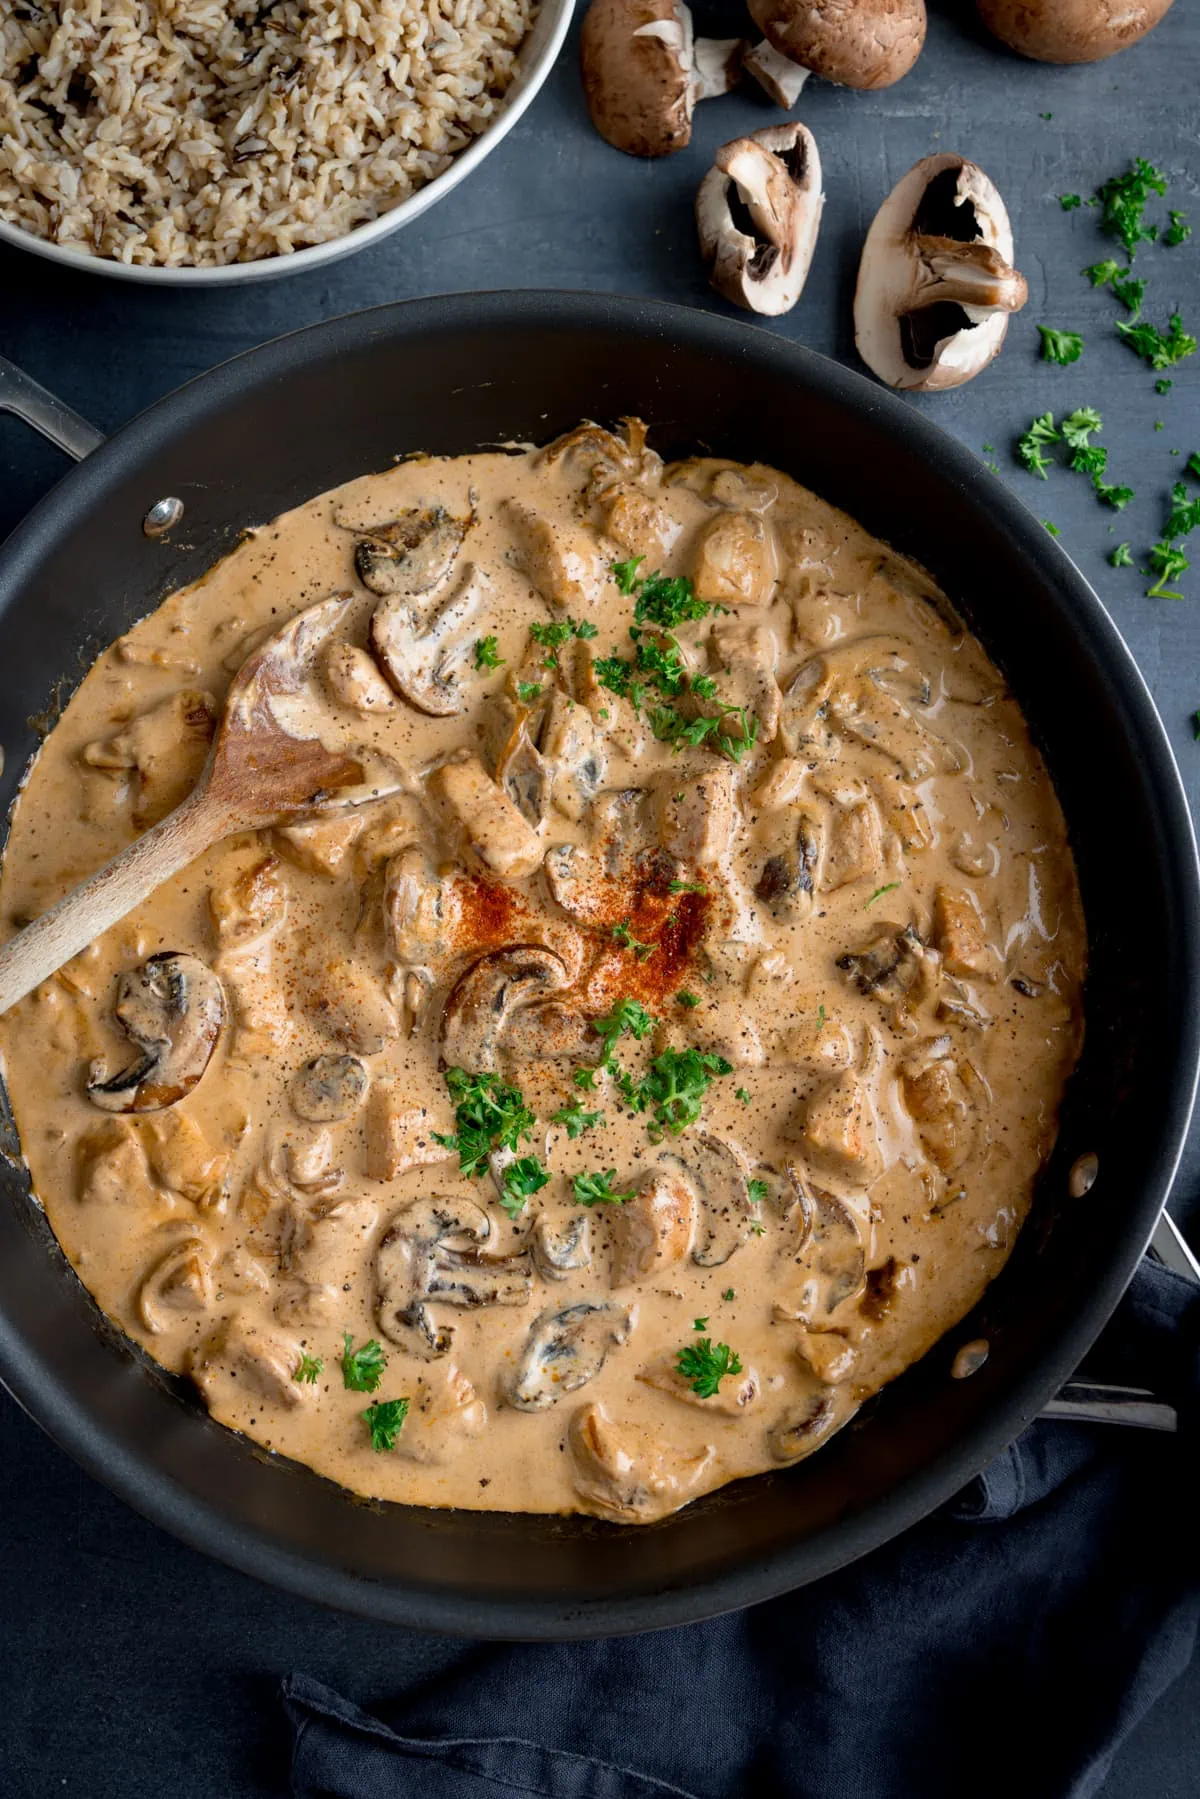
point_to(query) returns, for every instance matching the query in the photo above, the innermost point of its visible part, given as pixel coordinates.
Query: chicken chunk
(354, 681)
(472, 804)
(654, 1230)
(248, 906)
(854, 844)
(446, 1415)
(163, 750)
(625, 1472)
(245, 1362)
(743, 657)
(638, 523)
(838, 1129)
(958, 931)
(111, 1166)
(398, 1135)
(347, 1002)
(696, 814)
(731, 1400)
(735, 562)
(320, 845)
(563, 565)
(939, 1104)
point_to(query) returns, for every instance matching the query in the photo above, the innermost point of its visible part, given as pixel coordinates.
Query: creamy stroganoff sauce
(855, 893)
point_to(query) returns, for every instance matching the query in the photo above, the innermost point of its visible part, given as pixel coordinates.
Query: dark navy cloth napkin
(1004, 1647)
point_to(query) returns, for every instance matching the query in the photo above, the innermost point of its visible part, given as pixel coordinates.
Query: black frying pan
(268, 430)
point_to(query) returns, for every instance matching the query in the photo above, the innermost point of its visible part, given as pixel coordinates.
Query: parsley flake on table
(1090, 459)
(1192, 465)
(519, 1182)
(1118, 497)
(622, 934)
(1121, 556)
(598, 1190)
(488, 1116)
(1101, 273)
(1168, 562)
(1178, 231)
(1060, 347)
(1161, 349)
(308, 1369)
(362, 1369)
(1054, 532)
(1078, 426)
(487, 653)
(1184, 516)
(1163, 386)
(1042, 431)
(704, 1365)
(575, 1120)
(385, 1420)
(1069, 202)
(1124, 197)
(674, 1087)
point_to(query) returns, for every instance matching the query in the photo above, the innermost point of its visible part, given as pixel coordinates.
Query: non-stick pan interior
(270, 429)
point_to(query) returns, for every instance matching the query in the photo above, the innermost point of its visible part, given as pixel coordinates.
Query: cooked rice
(188, 132)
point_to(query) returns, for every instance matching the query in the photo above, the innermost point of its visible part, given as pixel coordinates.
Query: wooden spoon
(271, 760)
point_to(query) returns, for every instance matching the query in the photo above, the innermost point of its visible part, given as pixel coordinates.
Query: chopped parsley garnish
(1121, 556)
(758, 1191)
(879, 893)
(1178, 231)
(519, 1182)
(1118, 496)
(690, 1000)
(1163, 386)
(553, 636)
(308, 1369)
(627, 1016)
(729, 1293)
(688, 887)
(1161, 349)
(1184, 516)
(1168, 562)
(667, 601)
(1124, 200)
(1069, 202)
(742, 1094)
(1029, 447)
(487, 653)
(385, 1420)
(625, 574)
(699, 1324)
(528, 692)
(820, 1018)
(622, 934)
(704, 1365)
(1078, 426)
(1130, 293)
(488, 1115)
(598, 1189)
(575, 1119)
(760, 1230)
(362, 1369)
(674, 1086)
(1060, 346)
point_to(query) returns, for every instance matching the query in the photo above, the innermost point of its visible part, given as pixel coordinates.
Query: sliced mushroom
(894, 967)
(761, 259)
(423, 664)
(608, 456)
(426, 1255)
(328, 1089)
(1071, 31)
(249, 906)
(644, 70)
(626, 1472)
(410, 555)
(244, 1361)
(566, 1348)
(732, 1399)
(735, 562)
(791, 874)
(572, 750)
(831, 1253)
(801, 1429)
(173, 1008)
(445, 1416)
(855, 43)
(561, 1250)
(718, 1173)
(180, 1282)
(484, 818)
(354, 681)
(936, 283)
(422, 912)
(485, 998)
(656, 1228)
(521, 772)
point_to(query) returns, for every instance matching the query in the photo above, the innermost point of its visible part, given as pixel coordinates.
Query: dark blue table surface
(134, 1666)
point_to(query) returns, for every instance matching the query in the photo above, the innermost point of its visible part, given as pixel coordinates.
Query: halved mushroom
(936, 283)
(610, 457)
(627, 1472)
(446, 1414)
(561, 1250)
(736, 562)
(427, 1254)
(422, 912)
(831, 1253)
(731, 1400)
(354, 681)
(328, 1089)
(485, 819)
(423, 664)
(855, 43)
(566, 1348)
(485, 998)
(718, 1173)
(1071, 31)
(654, 1229)
(180, 1282)
(412, 554)
(644, 70)
(173, 1008)
(243, 1361)
(760, 259)
(249, 906)
(801, 1429)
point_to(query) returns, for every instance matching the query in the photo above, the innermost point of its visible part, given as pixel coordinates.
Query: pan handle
(29, 400)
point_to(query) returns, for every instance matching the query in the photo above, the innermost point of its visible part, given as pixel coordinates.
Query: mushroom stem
(775, 73)
(716, 65)
(973, 274)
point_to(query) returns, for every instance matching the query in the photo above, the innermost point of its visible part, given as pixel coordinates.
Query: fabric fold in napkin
(1005, 1646)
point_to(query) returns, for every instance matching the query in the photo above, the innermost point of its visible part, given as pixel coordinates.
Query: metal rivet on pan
(970, 1359)
(162, 516)
(1084, 1170)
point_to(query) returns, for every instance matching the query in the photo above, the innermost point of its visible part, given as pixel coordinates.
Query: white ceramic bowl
(535, 62)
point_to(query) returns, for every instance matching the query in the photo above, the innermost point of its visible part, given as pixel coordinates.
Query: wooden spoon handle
(106, 897)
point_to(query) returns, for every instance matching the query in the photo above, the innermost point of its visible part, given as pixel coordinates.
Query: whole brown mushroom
(855, 43)
(644, 70)
(1067, 31)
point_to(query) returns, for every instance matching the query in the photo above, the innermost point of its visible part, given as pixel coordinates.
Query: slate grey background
(133, 1666)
